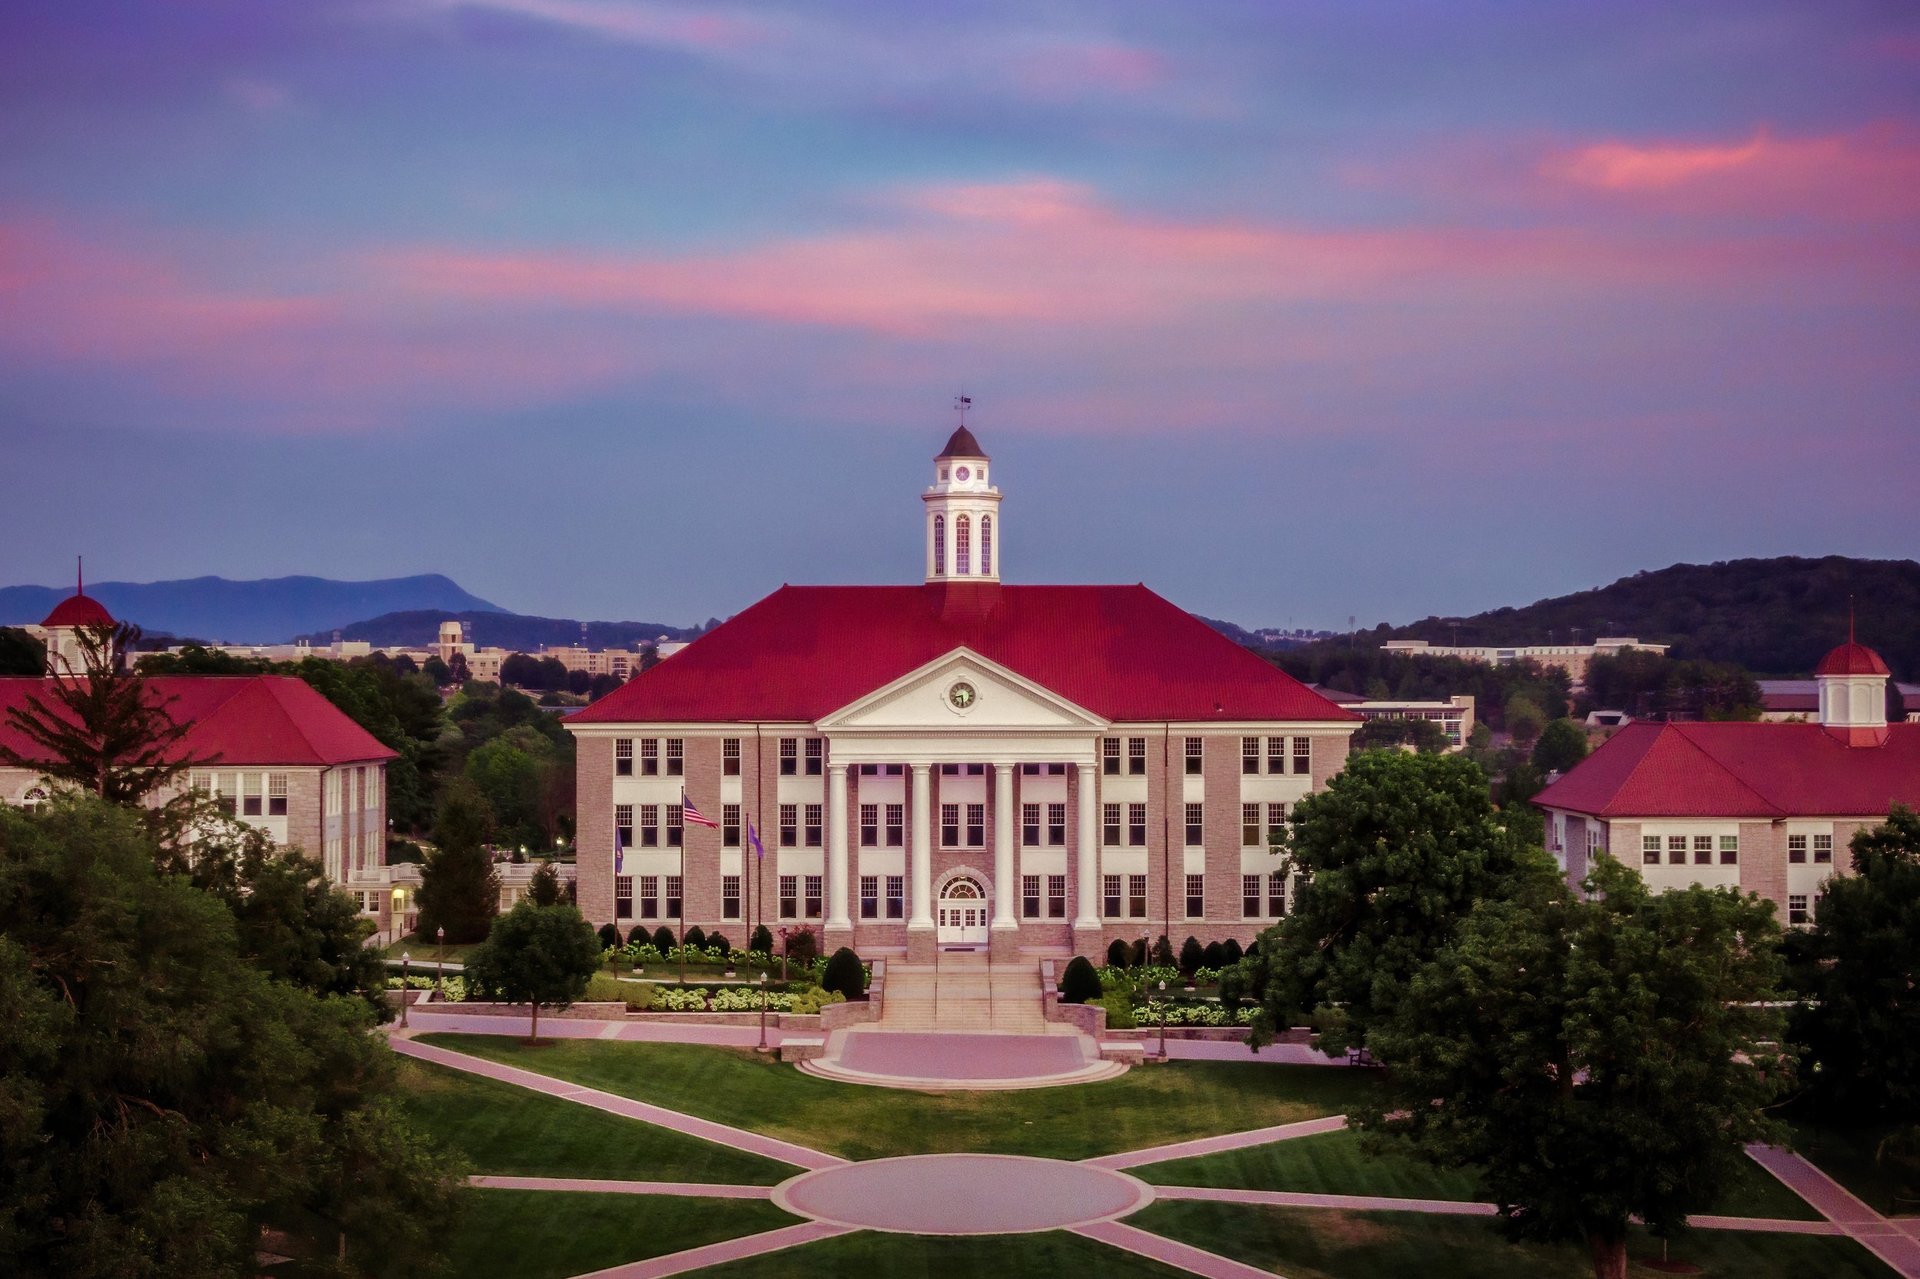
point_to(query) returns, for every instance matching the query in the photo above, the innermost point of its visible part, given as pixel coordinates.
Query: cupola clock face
(961, 474)
(962, 696)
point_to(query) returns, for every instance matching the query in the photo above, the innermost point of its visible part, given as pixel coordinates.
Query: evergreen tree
(459, 889)
(544, 888)
(762, 940)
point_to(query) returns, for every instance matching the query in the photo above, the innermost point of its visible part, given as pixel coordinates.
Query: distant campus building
(1453, 717)
(1572, 658)
(955, 763)
(1765, 807)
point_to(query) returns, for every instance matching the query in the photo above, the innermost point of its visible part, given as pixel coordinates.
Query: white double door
(962, 916)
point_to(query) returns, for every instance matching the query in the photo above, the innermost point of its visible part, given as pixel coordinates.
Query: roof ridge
(1715, 760)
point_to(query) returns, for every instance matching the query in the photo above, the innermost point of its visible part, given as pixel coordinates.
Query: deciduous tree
(535, 955)
(1562, 744)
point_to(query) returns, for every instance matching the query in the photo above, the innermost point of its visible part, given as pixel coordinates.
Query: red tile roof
(236, 720)
(1121, 652)
(1742, 770)
(1852, 659)
(79, 610)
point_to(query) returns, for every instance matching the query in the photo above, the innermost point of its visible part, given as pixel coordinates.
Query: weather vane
(962, 403)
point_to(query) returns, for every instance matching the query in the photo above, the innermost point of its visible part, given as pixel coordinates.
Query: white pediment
(962, 693)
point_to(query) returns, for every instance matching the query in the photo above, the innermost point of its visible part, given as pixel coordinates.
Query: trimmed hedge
(845, 974)
(697, 937)
(1192, 955)
(762, 940)
(609, 936)
(1119, 954)
(663, 939)
(1079, 984)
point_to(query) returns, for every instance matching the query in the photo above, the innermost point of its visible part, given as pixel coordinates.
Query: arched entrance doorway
(962, 915)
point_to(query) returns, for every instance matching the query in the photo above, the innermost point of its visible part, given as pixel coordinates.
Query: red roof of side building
(1741, 770)
(79, 610)
(1852, 659)
(1121, 652)
(236, 720)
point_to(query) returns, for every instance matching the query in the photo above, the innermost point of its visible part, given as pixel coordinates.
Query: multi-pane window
(1030, 896)
(623, 757)
(1650, 849)
(869, 897)
(1276, 754)
(1303, 755)
(1110, 825)
(674, 898)
(940, 543)
(962, 545)
(1196, 896)
(789, 825)
(1196, 825)
(1676, 850)
(1110, 756)
(729, 825)
(813, 826)
(623, 897)
(976, 825)
(623, 825)
(950, 825)
(814, 896)
(1110, 895)
(649, 825)
(1137, 896)
(1249, 825)
(1823, 848)
(1056, 897)
(1797, 908)
(789, 756)
(649, 897)
(1276, 822)
(1195, 760)
(649, 757)
(1729, 850)
(1030, 827)
(789, 896)
(676, 757)
(816, 754)
(869, 825)
(1703, 850)
(250, 795)
(1796, 848)
(986, 544)
(896, 825)
(1276, 894)
(896, 896)
(1250, 896)
(1249, 754)
(1137, 756)
(1057, 825)
(276, 794)
(730, 757)
(729, 897)
(1137, 824)
(676, 827)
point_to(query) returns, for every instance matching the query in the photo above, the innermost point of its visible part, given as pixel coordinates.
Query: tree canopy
(459, 890)
(1422, 735)
(21, 653)
(1595, 1056)
(1562, 744)
(535, 955)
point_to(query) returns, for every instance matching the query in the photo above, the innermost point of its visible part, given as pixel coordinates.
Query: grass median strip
(1144, 1107)
(536, 1234)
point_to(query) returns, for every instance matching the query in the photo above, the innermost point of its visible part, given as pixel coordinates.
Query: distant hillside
(269, 611)
(1774, 616)
(491, 628)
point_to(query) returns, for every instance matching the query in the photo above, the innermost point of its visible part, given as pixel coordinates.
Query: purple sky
(635, 310)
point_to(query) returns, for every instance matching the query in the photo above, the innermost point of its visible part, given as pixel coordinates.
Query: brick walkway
(1891, 1241)
(1214, 1145)
(586, 1185)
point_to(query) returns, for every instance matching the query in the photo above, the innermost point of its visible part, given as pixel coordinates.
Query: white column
(1086, 910)
(922, 847)
(1003, 870)
(837, 847)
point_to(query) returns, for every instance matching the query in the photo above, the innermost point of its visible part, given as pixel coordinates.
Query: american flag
(693, 815)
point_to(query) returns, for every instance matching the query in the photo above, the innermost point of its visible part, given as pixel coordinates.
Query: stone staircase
(961, 991)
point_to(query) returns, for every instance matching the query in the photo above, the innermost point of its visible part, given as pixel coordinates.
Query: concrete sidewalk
(1890, 1241)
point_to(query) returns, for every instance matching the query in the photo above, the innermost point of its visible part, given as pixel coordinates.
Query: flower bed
(455, 987)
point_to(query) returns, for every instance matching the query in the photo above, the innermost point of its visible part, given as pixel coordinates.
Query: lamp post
(440, 962)
(1163, 1020)
(763, 1013)
(399, 911)
(406, 996)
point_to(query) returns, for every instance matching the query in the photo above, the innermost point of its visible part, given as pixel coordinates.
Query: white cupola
(963, 514)
(1853, 693)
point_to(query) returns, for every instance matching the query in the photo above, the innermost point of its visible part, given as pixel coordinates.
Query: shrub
(696, 938)
(802, 946)
(639, 936)
(1119, 1006)
(663, 940)
(845, 974)
(1253, 949)
(1230, 951)
(1163, 952)
(761, 941)
(719, 942)
(1119, 954)
(1192, 955)
(1216, 956)
(609, 936)
(1139, 959)
(814, 998)
(1079, 983)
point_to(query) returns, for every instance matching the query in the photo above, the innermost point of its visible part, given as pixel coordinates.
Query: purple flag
(619, 852)
(753, 837)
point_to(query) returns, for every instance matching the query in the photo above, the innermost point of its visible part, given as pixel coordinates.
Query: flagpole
(682, 920)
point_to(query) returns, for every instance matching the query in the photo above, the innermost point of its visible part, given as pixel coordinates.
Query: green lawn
(535, 1234)
(1144, 1107)
(1310, 1243)
(1846, 1155)
(1039, 1256)
(504, 1129)
(425, 953)
(1334, 1164)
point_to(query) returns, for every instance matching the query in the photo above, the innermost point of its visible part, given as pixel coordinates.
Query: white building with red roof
(1765, 807)
(275, 753)
(959, 763)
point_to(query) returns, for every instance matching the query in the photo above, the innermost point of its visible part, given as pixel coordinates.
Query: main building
(958, 763)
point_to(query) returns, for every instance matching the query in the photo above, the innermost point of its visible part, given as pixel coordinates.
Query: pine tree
(459, 889)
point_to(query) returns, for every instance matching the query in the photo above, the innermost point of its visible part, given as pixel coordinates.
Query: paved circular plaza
(963, 1195)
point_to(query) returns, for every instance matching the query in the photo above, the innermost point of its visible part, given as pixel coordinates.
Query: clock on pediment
(962, 695)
